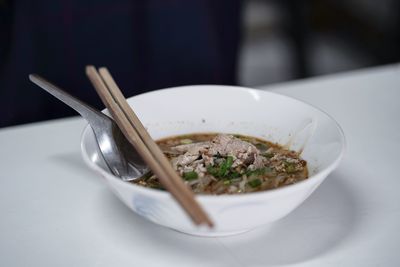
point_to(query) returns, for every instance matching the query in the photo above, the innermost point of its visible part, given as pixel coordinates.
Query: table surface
(57, 212)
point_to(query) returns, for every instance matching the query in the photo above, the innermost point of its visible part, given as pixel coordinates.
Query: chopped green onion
(225, 166)
(212, 170)
(186, 141)
(223, 169)
(254, 183)
(290, 167)
(227, 182)
(233, 175)
(229, 161)
(188, 176)
(262, 147)
(267, 155)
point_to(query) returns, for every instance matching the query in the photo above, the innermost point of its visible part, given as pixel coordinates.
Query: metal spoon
(119, 155)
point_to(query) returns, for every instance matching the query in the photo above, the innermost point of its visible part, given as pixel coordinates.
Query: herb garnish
(189, 176)
(223, 170)
(290, 167)
(254, 183)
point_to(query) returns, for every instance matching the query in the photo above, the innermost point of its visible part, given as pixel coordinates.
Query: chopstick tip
(104, 71)
(89, 69)
(205, 223)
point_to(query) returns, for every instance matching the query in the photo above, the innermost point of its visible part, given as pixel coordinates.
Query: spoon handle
(85, 110)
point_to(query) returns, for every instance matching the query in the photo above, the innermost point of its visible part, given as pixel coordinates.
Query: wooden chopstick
(135, 132)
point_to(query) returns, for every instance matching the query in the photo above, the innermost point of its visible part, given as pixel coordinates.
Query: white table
(56, 212)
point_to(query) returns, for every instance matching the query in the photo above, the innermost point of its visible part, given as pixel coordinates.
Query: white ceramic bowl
(227, 109)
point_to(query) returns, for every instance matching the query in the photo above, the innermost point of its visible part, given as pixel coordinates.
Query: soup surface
(229, 164)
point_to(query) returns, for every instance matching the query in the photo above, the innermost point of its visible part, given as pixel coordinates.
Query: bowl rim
(312, 179)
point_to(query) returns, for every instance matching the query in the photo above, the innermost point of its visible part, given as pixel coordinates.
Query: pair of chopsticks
(137, 135)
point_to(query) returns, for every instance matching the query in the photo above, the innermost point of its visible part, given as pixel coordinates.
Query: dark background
(151, 44)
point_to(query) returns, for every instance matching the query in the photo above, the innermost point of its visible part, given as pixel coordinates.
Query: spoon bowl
(118, 153)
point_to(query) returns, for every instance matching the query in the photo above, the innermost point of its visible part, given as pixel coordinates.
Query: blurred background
(286, 40)
(148, 45)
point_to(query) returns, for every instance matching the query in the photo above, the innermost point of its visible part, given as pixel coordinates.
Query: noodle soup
(215, 163)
